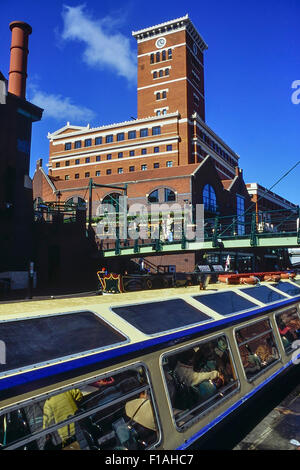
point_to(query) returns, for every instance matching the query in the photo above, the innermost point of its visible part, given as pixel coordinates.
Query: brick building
(168, 154)
(165, 147)
(16, 118)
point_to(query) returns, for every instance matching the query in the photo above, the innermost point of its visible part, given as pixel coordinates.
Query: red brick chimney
(18, 58)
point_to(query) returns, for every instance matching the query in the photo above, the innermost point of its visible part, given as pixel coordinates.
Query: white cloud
(60, 108)
(104, 47)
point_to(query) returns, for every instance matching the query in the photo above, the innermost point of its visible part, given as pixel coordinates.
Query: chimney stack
(18, 58)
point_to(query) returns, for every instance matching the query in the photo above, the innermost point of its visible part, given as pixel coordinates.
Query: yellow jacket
(60, 407)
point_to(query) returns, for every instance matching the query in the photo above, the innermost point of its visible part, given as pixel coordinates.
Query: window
(57, 165)
(151, 58)
(108, 171)
(158, 57)
(167, 72)
(158, 96)
(110, 413)
(68, 163)
(163, 55)
(120, 171)
(156, 165)
(143, 167)
(288, 324)
(164, 111)
(153, 197)
(120, 155)
(98, 173)
(108, 157)
(67, 177)
(76, 176)
(131, 153)
(164, 95)
(161, 73)
(169, 148)
(78, 144)
(87, 174)
(154, 74)
(156, 149)
(98, 158)
(87, 160)
(131, 134)
(131, 168)
(143, 132)
(169, 164)
(209, 198)
(98, 141)
(169, 195)
(88, 142)
(109, 138)
(120, 136)
(77, 161)
(156, 130)
(158, 113)
(257, 347)
(144, 151)
(68, 146)
(240, 210)
(169, 53)
(214, 378)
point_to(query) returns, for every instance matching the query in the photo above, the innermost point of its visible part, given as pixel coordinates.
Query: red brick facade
(163, 146)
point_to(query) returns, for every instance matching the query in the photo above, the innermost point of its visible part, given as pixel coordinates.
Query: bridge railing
(251, 226)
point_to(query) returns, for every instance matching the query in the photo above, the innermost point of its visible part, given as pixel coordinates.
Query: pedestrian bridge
(270, 229)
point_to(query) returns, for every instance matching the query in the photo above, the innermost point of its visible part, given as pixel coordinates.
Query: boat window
(36, 340)
(225, 303)
(257, 347)
(264, 294)
(198, 378)
(110, 413)
(288, 288)
(288, 323)
(155, 317)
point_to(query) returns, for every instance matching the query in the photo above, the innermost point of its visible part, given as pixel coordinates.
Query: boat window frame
(208, 410)
(244, 325)
(210, 318)
(78, 417)
(281, 312)
(61, 359)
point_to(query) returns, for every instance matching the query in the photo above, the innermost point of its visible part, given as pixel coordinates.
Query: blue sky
(82, 69)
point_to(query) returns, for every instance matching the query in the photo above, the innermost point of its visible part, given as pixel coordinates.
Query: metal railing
(250, 226)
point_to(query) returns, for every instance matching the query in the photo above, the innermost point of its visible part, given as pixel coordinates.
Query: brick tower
(170, 69)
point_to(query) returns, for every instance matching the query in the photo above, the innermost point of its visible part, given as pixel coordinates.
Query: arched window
(153, 197)
(169, 195)
(158, 57)
(113, 199)
(76, 200)
(209, 198)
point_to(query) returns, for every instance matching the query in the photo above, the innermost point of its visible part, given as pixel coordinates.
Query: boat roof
(48, 337)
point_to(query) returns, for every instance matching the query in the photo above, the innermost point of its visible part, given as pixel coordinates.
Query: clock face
(195, 49)
(160, 42)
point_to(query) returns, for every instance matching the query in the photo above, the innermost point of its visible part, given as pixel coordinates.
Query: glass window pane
(199, 377)
(225, 303)
(288, 288)
(120, 416)
(155, 317)
(288, 324)
(263, 294)
(257, 347)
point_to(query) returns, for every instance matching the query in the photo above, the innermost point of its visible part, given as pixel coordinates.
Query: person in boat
(185, 368)
(60, 407)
